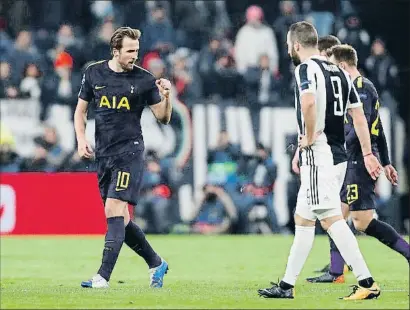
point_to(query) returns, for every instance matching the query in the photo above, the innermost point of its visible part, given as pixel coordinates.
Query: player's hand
(84, 149)
(295, 163)
(373, 166)
(164, 87)
(303, 142)
(391, 174)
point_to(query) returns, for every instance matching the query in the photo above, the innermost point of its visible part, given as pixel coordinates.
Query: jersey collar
(320, 57)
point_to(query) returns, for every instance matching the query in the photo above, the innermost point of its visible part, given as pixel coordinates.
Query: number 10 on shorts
(123, 179)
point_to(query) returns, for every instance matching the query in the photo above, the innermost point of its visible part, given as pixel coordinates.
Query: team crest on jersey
(363, 96)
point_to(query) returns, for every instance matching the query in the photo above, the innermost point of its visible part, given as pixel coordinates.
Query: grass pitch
(205, 272)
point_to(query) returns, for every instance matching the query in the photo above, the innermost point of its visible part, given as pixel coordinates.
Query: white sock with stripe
(299, 252)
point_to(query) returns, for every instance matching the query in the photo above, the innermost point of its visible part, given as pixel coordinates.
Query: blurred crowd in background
(231, 52)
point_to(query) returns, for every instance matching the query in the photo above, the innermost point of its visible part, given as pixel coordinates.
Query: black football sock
(337, 262)
(285, 286)
(114, 239)
(367, 283)
(135, 239)
(387, 235)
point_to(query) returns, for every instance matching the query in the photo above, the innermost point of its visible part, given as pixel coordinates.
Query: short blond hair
(345, 53)
(119, 35)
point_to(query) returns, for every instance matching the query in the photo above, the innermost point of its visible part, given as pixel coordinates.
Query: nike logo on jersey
(99, 87)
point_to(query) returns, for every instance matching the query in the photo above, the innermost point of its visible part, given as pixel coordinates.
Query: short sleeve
(152, 95)
(86, 90)
(305, 78)
(354, 98)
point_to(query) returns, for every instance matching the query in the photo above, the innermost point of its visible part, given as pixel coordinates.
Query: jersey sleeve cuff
(355, 105)
(83, 98)
(308, 91)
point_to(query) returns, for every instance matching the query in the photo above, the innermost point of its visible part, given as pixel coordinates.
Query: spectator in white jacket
(253, 40)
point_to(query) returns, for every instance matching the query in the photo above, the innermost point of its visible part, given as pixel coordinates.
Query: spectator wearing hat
(255, 39)
(61, 86)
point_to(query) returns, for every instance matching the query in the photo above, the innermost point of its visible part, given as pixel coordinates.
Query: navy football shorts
(120, 176)
(358, 188)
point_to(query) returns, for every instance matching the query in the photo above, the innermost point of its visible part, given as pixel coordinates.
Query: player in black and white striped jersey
(323, 93)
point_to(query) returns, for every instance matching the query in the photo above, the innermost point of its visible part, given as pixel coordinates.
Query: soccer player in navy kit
(358, 191)
(119, 91)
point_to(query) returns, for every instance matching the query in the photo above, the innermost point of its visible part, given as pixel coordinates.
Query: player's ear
(115, 52)
(296, 46)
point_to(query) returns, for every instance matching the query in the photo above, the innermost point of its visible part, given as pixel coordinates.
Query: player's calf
(386, 234)
(114, 238)
(136, 240)
(362, 219)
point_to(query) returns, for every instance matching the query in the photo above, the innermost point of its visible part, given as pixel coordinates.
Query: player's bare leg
(114, 238)
(363, 221)
(135, 239)
(334, 271)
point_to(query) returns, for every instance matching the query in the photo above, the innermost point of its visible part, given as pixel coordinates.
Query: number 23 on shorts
(352, 193)
(123, 180)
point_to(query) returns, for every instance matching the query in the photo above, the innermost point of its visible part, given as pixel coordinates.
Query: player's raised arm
(162, 109)
(80, 117)
(306, 83)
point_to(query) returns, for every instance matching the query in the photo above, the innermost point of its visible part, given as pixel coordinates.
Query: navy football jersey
(118, 99)
(371, 105)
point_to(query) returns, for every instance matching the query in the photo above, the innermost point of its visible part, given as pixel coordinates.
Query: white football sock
(347, 244)
(302, 244)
